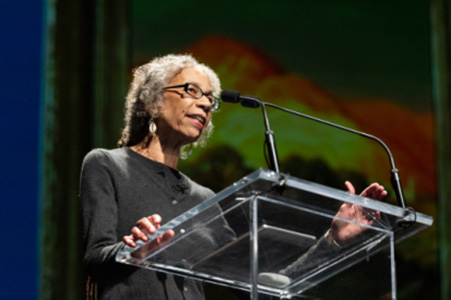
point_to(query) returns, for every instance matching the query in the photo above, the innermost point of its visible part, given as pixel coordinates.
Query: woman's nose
(204, 102)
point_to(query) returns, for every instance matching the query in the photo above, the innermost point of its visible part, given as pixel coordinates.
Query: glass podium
(269, 233)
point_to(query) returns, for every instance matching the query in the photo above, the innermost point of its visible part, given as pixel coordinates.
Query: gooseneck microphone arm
(395, 179)
(252, 102)
(270, 141)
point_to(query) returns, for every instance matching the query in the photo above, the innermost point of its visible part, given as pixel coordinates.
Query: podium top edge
(339, 195)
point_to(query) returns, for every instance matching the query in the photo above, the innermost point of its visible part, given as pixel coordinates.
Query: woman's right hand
(143, 228)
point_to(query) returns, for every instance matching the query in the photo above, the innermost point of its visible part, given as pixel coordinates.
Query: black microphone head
(230, 96)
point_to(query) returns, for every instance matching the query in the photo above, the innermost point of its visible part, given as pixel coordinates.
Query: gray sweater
(118, 187)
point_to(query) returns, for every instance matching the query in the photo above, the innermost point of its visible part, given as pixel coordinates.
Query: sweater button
(174, 202)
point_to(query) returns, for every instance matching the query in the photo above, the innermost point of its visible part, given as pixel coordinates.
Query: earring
(152, 126)
(190, 151)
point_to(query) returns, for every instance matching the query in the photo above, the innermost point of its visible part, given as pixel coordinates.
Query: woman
(168, 106)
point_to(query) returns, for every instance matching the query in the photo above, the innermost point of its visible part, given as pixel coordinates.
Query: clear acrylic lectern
(268, 233)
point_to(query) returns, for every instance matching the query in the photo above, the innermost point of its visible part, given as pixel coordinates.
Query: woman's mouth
(200, 120)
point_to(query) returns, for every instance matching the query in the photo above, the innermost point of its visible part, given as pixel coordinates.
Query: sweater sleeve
(100, 218)
(314, 258)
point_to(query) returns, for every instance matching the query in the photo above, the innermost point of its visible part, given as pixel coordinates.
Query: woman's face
(183, 117)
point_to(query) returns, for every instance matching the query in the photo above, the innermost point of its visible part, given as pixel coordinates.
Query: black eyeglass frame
(214, 101)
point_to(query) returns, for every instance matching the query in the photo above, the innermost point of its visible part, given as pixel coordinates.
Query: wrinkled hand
(342, 231)
(142, 229)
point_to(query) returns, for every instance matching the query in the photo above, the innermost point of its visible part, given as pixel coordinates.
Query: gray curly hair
(145, 96)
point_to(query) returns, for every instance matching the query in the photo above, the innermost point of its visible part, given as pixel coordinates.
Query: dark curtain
(85, 81)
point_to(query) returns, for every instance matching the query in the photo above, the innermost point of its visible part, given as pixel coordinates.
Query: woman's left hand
(374, 191)
(342, 231)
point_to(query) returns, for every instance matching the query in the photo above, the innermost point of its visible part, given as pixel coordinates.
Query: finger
(139, 234)
(369, 191)
(353, 211)
(380, 193)
(378, 214)
(128, 240)
(155, 220)
(346, 206)
(375, 191)
(350, 187)
(168, 235)
(163, 239)
(376, 194)
(146, 225)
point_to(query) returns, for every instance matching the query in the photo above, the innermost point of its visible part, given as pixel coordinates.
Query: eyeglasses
(197, 93)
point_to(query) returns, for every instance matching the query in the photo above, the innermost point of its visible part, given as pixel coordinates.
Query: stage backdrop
(361, 64)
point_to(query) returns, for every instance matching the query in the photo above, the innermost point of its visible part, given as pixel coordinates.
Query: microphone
(235, 97)
(252, 102)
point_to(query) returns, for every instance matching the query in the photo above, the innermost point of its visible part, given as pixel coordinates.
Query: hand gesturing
(342, 231)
